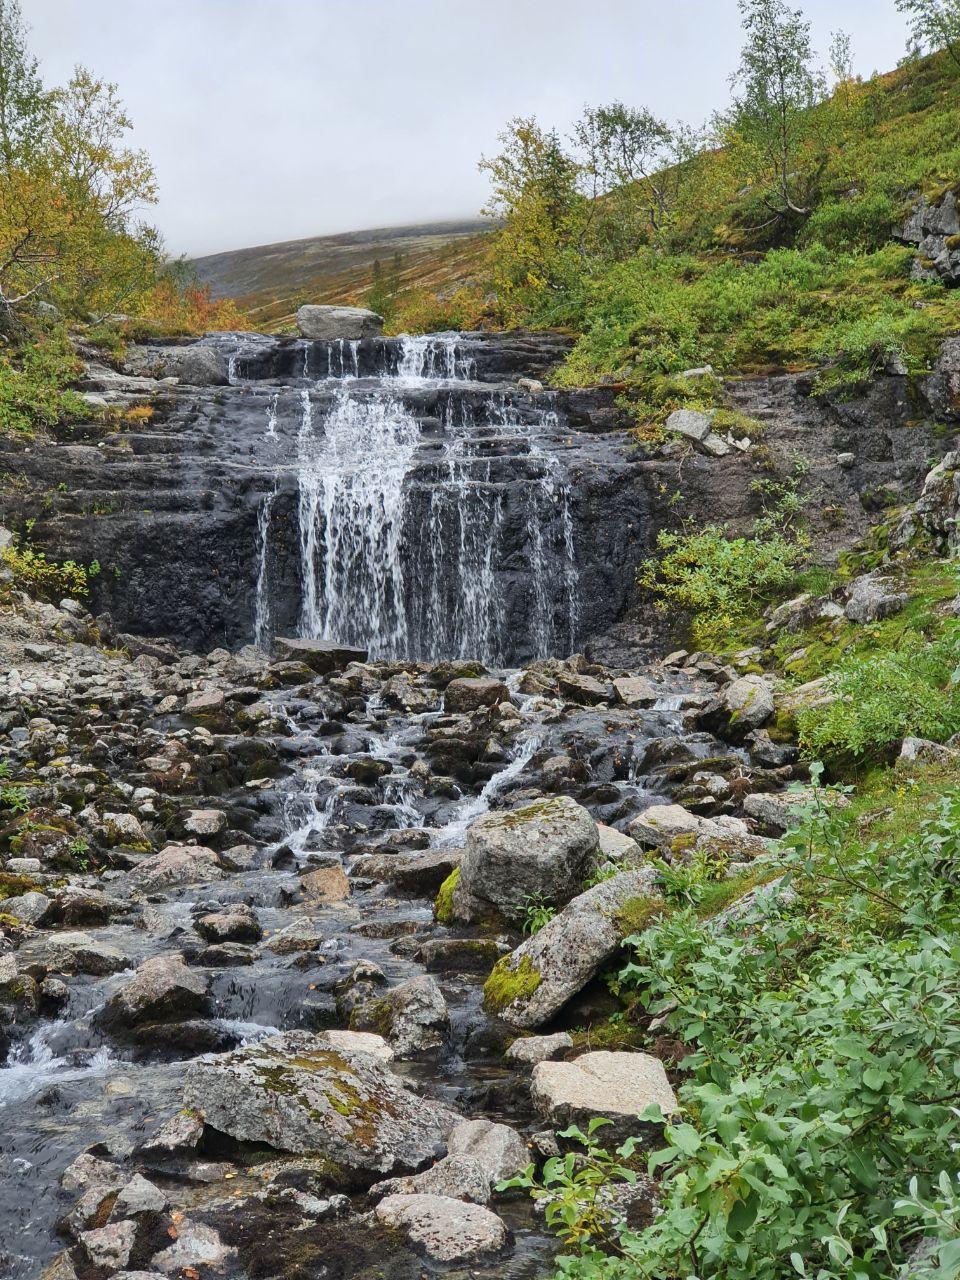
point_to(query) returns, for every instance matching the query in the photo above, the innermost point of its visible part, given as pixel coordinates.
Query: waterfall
(434, 519)
(261, 618)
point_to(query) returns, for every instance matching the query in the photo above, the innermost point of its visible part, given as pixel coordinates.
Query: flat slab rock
(321, 656)
(616, 1085)
(444, 1229)
(296, 1093)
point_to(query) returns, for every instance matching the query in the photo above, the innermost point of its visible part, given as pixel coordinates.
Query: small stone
(325, 885)
(110, 1246)
(205, 822)
(536, 1049)
(208, 703)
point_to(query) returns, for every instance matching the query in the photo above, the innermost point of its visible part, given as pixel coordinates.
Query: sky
(271, 120)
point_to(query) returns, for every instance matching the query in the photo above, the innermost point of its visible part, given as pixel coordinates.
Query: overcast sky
(271, 120)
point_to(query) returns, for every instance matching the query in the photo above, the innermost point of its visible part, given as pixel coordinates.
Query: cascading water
(434, 521)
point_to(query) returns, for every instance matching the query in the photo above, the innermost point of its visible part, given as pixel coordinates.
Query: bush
(880, 698)
(846, 224)
(33, 381)
(722, 580)
(818, 1131)
(38, 576)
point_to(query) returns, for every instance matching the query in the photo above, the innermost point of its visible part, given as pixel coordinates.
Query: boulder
(544, 850)
(110, 1246)
(196, 365)
(636, 691)
(196, 1245)
(690, 423)
(616, 847)
(329, 323)
(325, 885)
(528, 987)
(660, 825)
(468, 694)
(31, 908)
(778, 811)
(208, 702)
(205, 823)
(235, 924)
(350, 1042)
(321, 656)
(176, 865)
(584, 690)
(912, 751)
(618, 1086)
(163, 989)
(76, 952)
(870, 598)
(496, 1147)
(301, 935)
(749, 700)
(294, 1093)
(446, 1230)
(413, 1016)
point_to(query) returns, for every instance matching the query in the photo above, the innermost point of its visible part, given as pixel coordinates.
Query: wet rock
(29, 908)
(302, 935)
(181, 1132)
(325, 885)
(110, 1246)
(196, 1246)
(176, 865)
(331, 323)
(498, 1148)
(870, 598)
(420, 874)
(530, 986)
(321, 656)
(636, 691)
(225, 955)
(77, 952)
(534, 1049)
(460, 1176)
(618, 1086)
(236, 924)
(586, 691)
(295, 1094)
(459, 955)
(444, 1229)
(163, 989)
(543, 850)
(210, 702)
(465, 695)
(139, 1196)
(413, 1016)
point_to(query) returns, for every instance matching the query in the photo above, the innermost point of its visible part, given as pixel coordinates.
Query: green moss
(12, 886)
(507, 984)
(636, 914)
(443, 906)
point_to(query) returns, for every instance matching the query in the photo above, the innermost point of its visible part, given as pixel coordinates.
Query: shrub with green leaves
(34, 573)
(819, 1127)
(876, 699)
(720, 580)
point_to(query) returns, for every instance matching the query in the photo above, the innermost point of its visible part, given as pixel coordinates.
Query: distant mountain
(270, 281)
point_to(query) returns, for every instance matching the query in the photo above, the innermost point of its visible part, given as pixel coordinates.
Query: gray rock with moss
(532, 984)
(542, 850)
(294, 1093)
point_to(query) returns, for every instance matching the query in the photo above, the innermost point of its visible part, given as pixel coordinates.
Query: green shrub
(721, 580)
(863, 223)
(880, 698)
(38, 576)
(33, 385)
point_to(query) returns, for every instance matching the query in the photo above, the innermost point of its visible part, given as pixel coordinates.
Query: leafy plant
(14, 798)
(34, 573)
(536, 913)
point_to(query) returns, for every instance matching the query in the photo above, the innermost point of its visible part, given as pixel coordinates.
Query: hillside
(271, 281)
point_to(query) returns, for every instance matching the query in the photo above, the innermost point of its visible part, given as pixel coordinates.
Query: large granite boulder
(294, 1093)
(532, 984)
(543, 850)
(332, 323)
(322, 656)
(413, 1016)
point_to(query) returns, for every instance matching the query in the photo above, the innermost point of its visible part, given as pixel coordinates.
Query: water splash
(261, 620)
(456, 829)
(35, 1064)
